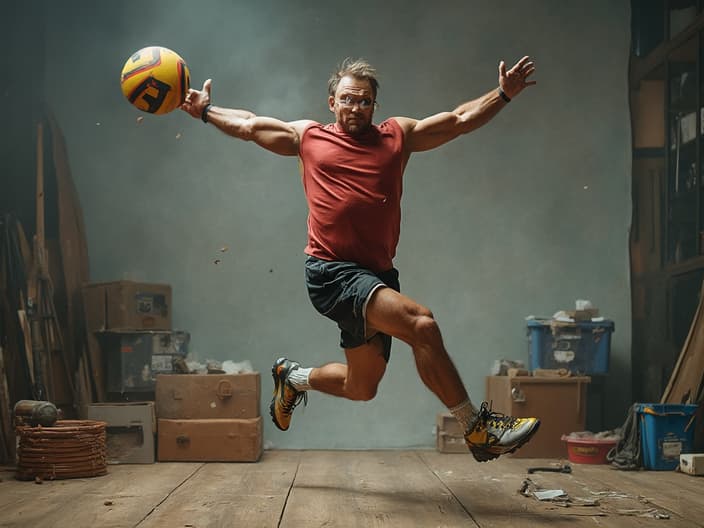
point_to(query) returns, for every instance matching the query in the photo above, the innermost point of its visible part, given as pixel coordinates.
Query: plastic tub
(583, 347)
(585, 450)
(666, 431)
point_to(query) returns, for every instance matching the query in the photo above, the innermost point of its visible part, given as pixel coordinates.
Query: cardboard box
(559, 403)
(202, 396)
(131, 430)
(648, 111)
(692, 463)
(127, 305)
(236, 440)
(583, 315)
(134, 359)
(449, 434)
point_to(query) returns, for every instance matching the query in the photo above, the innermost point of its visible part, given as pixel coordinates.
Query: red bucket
(588, 450)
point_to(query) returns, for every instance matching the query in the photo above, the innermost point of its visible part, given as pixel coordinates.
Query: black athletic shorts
(340, 291)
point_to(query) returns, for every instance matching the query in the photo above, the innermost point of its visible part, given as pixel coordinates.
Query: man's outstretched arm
(278, 136)
(438, 129)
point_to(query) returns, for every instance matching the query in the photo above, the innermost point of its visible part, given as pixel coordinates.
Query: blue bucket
(666, 431)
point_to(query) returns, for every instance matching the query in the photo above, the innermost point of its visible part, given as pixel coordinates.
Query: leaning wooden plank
(123, 497)
(27, 360)
(7, 435)
(370, 488)
(231, 494)
(83, 388)
(12, 280)
(95, 364)
(27, 341)
(74, 257)
(688, 375)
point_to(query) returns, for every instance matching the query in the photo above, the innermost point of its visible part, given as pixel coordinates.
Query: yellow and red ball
(155, 80)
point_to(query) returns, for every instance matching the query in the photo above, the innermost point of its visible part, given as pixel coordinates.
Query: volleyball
(155, 80)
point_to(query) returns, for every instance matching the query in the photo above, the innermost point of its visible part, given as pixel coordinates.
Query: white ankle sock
(464, 413)
(299, 378)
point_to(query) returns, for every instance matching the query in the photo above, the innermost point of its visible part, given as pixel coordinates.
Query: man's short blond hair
(357, 68)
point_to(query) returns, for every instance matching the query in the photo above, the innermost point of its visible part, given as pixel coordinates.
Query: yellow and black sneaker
(286, 398)
(493, 434)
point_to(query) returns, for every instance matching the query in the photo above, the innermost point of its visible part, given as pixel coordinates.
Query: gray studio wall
(519, 218)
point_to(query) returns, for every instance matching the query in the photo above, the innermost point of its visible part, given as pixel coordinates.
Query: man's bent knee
(360, 393)
(425, 329)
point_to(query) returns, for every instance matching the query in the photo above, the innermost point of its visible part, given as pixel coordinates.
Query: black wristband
(204, 113)
(504, 96)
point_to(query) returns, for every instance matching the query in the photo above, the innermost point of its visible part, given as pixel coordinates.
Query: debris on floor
(551, 495)
(605, 502)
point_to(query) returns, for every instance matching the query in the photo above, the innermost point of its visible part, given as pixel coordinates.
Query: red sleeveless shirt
(353, 187)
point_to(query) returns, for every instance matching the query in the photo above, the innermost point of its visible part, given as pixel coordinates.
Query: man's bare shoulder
(301, 125)
(406, 123)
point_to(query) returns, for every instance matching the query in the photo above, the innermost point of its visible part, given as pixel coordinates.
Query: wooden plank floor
(353, 489)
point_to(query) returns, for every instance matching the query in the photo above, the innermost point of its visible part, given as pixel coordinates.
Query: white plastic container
(692, 463)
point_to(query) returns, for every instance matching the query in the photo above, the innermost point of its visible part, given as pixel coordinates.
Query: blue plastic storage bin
(583, 347)
(666, 431)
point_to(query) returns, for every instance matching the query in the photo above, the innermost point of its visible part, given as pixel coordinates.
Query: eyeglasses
(349, 102)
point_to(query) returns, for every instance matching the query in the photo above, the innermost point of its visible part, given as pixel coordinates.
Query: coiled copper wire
(69, 449)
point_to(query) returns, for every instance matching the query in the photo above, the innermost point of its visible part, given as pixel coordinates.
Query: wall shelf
(667, 240)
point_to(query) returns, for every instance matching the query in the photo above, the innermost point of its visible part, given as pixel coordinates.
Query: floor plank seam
(425, 463)
(288, 494)
(169, 494)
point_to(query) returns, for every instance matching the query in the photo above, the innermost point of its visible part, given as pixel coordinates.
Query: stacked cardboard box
(127, 305)
(130, 341)
(208, 417)
(200, 417)
(135, 358)
(130, 337)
